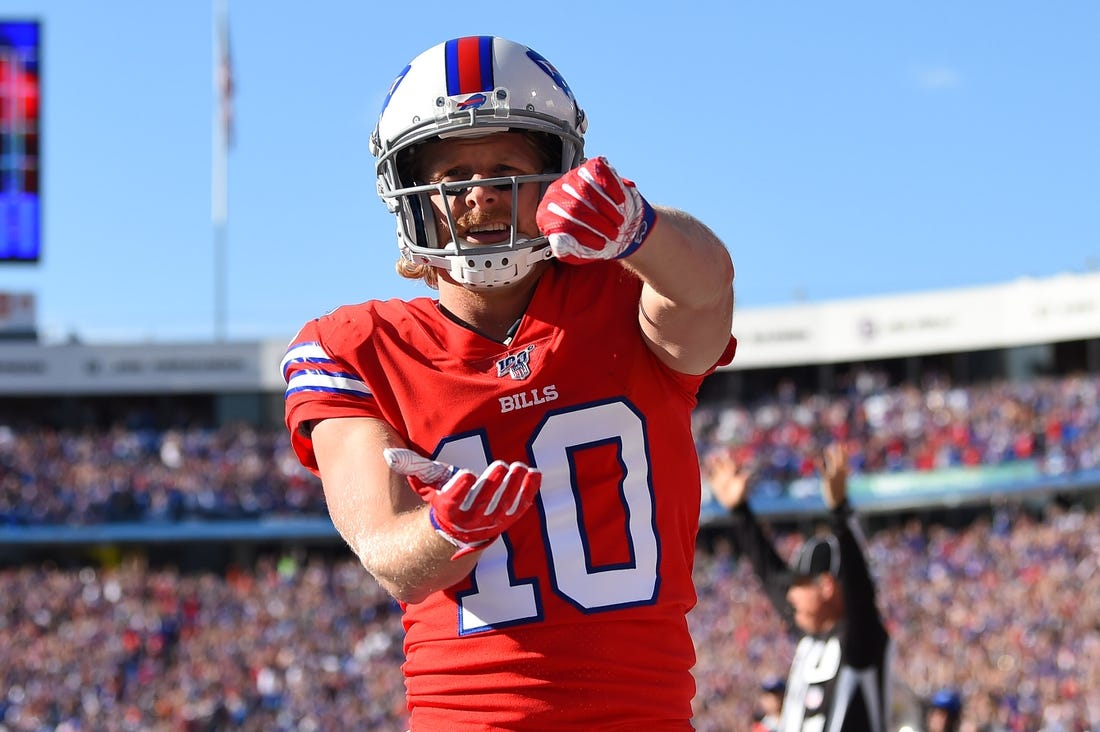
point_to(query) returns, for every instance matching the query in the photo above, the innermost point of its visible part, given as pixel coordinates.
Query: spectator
(944, 711)
(769, 705)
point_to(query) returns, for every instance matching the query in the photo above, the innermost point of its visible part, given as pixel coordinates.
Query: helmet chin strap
(486, 270)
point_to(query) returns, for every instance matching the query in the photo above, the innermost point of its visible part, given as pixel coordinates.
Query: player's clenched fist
(468, 510)
(592, 213)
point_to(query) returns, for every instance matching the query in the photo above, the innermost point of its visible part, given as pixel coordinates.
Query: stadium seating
(1004, 607)
(1006, 610)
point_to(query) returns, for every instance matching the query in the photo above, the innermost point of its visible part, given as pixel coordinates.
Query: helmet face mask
(471, 87)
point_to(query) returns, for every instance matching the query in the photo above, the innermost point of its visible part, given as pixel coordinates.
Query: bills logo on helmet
(516, 365)
(393, 87)
(473, 102)
(550, 71)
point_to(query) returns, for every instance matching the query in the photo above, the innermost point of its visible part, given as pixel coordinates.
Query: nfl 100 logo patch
(517, 365)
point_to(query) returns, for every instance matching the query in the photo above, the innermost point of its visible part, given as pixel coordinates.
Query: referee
(839, 679)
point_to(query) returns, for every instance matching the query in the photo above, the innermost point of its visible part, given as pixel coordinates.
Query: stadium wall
(1021, 313)
(1017, 314)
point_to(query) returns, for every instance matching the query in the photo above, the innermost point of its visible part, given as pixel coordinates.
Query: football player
(513, 460)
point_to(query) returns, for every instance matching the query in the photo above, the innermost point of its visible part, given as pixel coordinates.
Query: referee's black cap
(819, 555)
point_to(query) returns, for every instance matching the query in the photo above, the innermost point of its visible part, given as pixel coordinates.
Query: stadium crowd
(933, 425)
(1005, 609)
(88, 476)
(81, 477)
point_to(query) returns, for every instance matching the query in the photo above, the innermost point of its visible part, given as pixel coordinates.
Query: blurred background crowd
(1001, 603)
(927, 426)
(131, 472)
(92, 476)
(1004, 609)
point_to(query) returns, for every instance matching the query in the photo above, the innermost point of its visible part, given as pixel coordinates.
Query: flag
(223, 116)
(223, 80)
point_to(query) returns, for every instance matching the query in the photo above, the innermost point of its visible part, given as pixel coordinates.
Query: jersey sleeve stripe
(308, 367)
(326, 382)
(298, 353)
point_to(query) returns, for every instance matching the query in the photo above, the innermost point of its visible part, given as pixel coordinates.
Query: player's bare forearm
(379, 516)
(685, 262)
(409, 562)
(687, 301)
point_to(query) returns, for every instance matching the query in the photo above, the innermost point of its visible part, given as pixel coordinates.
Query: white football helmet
(471, 86)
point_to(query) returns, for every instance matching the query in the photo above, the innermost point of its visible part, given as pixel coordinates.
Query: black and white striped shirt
(840, 680)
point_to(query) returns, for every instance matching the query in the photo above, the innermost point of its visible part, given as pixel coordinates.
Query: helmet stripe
(469, 65)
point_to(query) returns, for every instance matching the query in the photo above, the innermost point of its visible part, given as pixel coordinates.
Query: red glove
(468, 510)
(591, 213)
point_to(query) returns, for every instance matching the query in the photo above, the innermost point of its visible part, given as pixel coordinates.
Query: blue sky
(840, 149)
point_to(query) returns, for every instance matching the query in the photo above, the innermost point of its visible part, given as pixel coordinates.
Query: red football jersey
(574, 618)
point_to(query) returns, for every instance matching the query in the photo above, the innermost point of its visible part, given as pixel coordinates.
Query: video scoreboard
(20, 140)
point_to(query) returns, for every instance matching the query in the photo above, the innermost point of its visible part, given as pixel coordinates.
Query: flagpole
(219, 203)
(220, 248)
